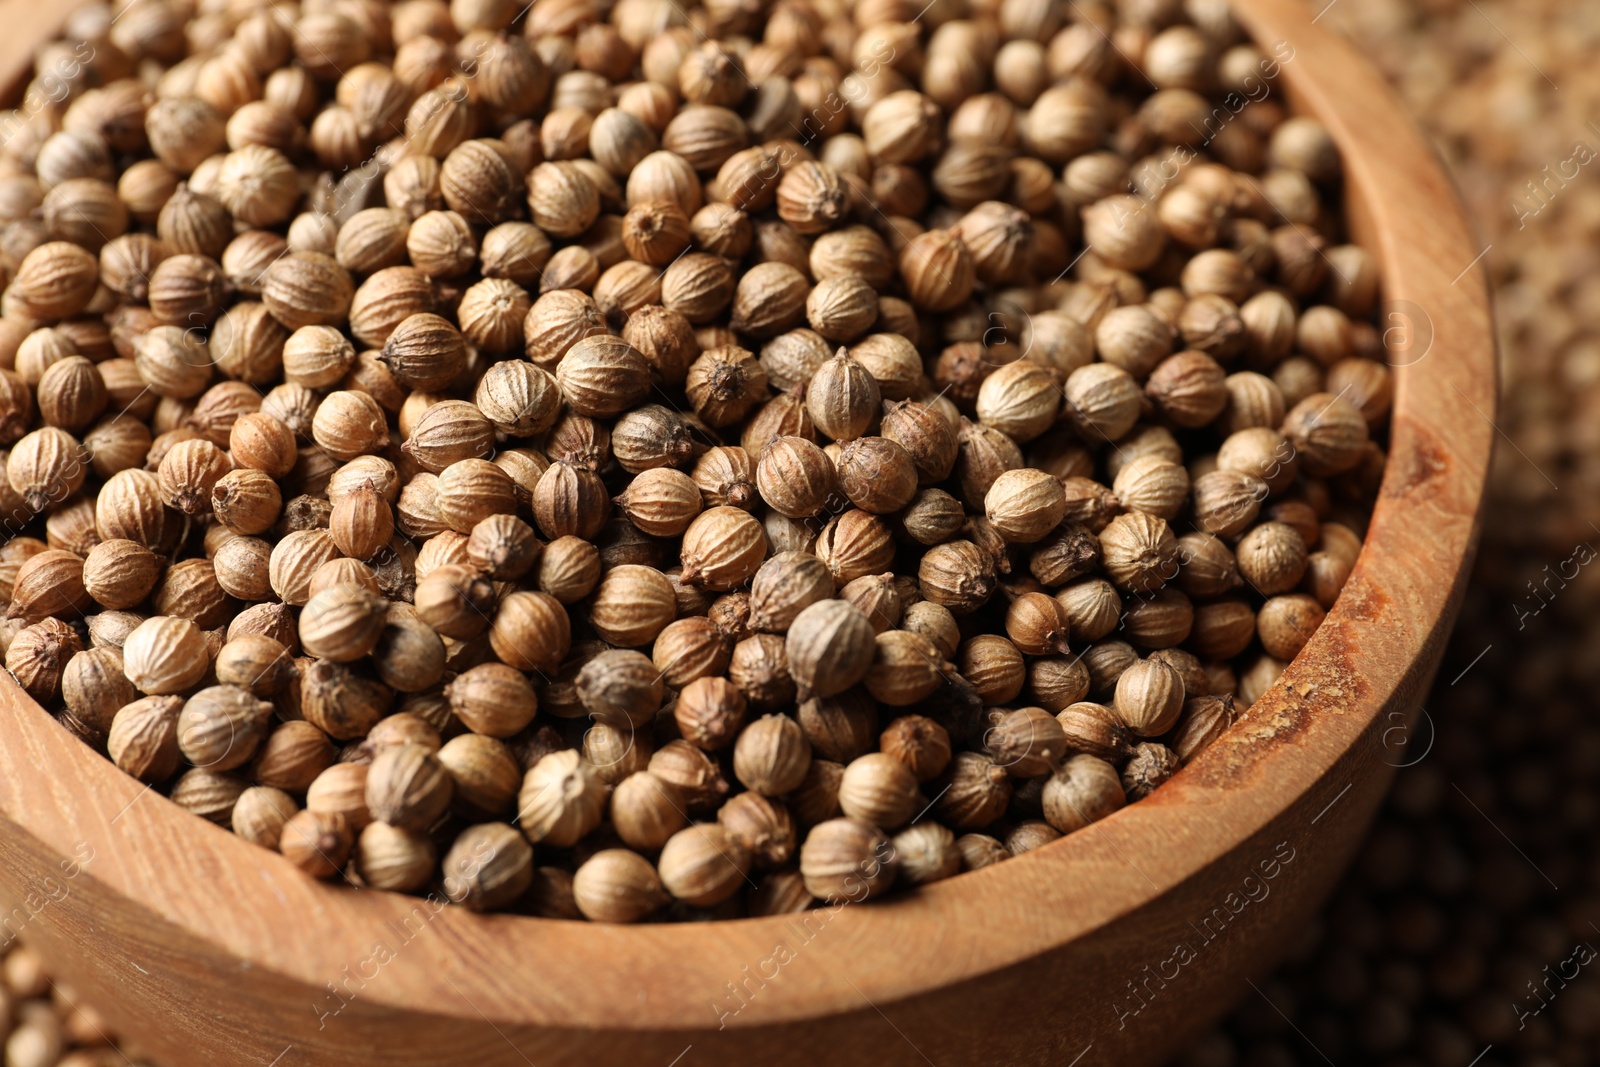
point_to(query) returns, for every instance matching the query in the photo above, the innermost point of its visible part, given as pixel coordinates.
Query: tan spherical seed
(647, 809)
(1253, 400)
(316, 842)
(769, 299)
(651, 437)
(829, 647)
(295, 558)
(792, 358)
(448, 431)
(956, 575)
(1020, 399)
(879, 789)
(54, 281)
(1188, 388)
(694, 779)
(772, 755)
(1025, 505)
(399, 860)
(470, 491)
(568, 569)
(1084, 791)
(489, 866)
(71, 394)
(617, 885)
(1263, 453)
(46, 467)
(1272, 558)
(703, 865)
(409, 656)
(165, 655)
(246, 501)
(843, 397)
(893, 362)
(119, 573)
(562, 199)
(937, 270)
(1028, 742)
(795, 477)
(724, 384)
(1102, 401)
(425, 352)
(264, 443)
(493, 699)
(342, 623)
(220, 727)
(190, 590)
(317, 356)
(520, 399)
(1152, 484)
(722, 548)
(1226, 502)
(689, 649)
(1149, 697)
(847, 859)
(876, 474)
(842, 307)
(561, 800)
(710, 712)
(307, 289)
(50, 582)
(1138, 552)
(603, 376)
(1286, 623)
(350, 424)
(129, 507)
(631, 605)
(1328, 433)
(38, 654)
(906, 669)
(661, 502)
(143, 740)
(94, 688)
(1096, 730)
(407, 787)
(255, 662)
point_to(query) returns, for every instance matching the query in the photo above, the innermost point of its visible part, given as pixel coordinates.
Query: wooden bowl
(1114, 945)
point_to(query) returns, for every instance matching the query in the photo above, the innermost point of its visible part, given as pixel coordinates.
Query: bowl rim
(174, 867)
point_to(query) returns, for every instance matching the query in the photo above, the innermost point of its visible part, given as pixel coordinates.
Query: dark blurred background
(1462, 937)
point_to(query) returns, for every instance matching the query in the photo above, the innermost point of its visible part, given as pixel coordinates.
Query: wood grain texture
(1118, 943)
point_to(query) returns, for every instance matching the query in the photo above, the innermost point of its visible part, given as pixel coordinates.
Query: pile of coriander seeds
(631, 462)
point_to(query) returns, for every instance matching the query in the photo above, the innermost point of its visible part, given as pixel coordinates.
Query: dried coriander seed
(847, 859)
(772, 755)
(617, 885)
(829, 647)
(703, 864)
(488, 867)
(878, 788)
